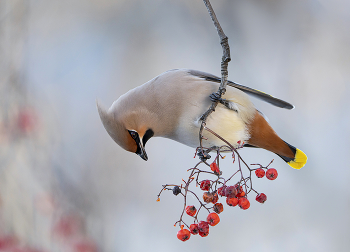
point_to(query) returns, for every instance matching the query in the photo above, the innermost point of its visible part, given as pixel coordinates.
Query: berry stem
(211, 195)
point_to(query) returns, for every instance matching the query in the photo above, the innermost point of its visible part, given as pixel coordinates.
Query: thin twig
(226, 58)
(225, 48)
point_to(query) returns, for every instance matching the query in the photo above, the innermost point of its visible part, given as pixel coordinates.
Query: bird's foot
(215, 97)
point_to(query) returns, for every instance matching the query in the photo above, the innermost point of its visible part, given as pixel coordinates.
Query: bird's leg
(228, 104)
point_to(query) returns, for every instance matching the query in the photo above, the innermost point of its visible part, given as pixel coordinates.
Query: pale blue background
(76, 51)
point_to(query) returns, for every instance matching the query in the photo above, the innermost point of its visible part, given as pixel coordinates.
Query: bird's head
(126, 129)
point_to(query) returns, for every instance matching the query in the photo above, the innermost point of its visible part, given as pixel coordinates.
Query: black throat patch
(149, 133)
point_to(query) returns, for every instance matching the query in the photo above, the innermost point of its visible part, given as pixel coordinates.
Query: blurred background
(66, 186)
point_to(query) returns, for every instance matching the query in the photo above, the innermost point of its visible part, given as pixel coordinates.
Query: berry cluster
(215, 189)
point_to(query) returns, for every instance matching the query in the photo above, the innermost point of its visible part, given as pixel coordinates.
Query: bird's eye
(133, 134)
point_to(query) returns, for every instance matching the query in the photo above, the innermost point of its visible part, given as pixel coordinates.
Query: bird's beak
(141, 149)
(142, 153)
(140, 145)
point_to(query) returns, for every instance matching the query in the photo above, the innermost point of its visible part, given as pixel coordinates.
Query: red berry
(218, 208)
(203, 234)
(183, 234)
(205, 185)
(241, 194)
(260, 173)
(230, 192)
(238, 188)
(244, 203)
(213, 219)
(271, 174)
(215, 168)
(208, 197)
(221, 190)
(203, 227)
(191, 210)
(261, 198)
(194, 229)
(232, 201)
(215, 198)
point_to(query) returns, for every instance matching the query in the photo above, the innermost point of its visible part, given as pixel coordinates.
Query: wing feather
(253, 92)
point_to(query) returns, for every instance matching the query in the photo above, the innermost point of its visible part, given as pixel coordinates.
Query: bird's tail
(299, 159)
(263, 136)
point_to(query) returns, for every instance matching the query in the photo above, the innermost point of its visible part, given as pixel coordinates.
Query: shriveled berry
(218, 208)
(230, 192)
(176, 190)
(213, 219)
(183, 234)
(244, 203)
(215, 198)
(271, 174)
(203, 234)
(232, 201)
(194, 229)
(215, 168)
(191, 210)
(260, 173)
(221, 190)
(203, 227)
(261, 198)
(205, 185)
(208, 197)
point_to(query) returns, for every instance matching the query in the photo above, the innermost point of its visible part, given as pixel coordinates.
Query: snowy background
(66, 186)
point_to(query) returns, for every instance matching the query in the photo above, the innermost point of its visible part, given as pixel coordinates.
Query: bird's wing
(254, 92)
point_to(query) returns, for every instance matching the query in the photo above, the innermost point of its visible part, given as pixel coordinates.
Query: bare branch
(224, 64)
(225, 47)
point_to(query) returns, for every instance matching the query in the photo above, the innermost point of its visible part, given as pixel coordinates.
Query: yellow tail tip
(299, 160)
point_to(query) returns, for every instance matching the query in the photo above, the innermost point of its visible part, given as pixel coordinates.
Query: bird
(171, 105)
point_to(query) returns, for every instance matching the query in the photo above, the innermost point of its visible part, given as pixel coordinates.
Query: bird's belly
(224, 122)
(228, 125)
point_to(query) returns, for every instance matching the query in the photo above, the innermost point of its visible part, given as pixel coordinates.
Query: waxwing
(171, 104)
